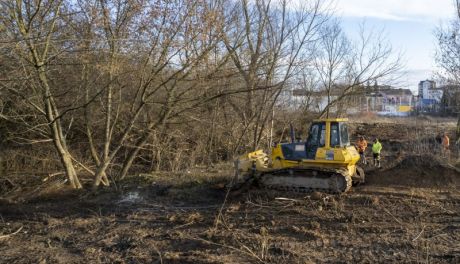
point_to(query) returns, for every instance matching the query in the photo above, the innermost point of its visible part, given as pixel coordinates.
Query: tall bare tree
(266, 40)
(370, 58)
(33, 26)
(179, 36)
(116, 83)
(448, 54)
(332, 61)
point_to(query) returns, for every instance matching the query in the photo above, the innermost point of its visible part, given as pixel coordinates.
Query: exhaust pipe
(292, 133)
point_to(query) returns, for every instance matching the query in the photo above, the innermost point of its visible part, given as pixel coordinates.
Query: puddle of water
(131, 197)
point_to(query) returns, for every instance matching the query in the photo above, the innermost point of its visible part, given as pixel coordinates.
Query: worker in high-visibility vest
(361, 146)
(445, 145)
(376, 149)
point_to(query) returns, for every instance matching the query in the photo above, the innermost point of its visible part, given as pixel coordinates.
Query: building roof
(316, 93)
(431, 81)
(379, 90)
(399, 91)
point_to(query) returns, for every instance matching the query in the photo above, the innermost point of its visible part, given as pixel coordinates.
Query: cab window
(344, 135)
(335, 137)
(317, 136)
(313, 136)
(322, 139)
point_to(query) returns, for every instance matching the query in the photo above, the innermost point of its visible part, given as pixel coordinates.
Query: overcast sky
(408, 24)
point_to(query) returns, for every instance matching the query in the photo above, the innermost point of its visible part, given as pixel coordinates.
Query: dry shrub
(315, 225)
(375, 200)
(308, 234)
(194, 217)
(264, 239)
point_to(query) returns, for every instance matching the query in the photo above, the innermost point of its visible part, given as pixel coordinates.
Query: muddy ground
(407, 212)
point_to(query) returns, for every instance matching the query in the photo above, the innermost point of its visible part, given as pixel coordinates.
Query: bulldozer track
(337, 189)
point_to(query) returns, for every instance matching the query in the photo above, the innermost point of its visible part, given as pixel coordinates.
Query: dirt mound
(417, 171)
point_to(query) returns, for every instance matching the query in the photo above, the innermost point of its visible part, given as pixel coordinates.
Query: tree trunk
(99, 174)
(458, 129)
(70, 171)
(56, 131)
(132, 155)
(89, 133)
(51, 111)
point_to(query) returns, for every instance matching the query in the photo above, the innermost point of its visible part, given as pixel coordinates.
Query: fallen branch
(250, 253)
(159, 255)
(219, 217)
(104, 181)
(52, 175)
(396, 219)
(12, 234)
(9, 181)
(260, 205)
(423, 228)
(288, 199)
(83, 166)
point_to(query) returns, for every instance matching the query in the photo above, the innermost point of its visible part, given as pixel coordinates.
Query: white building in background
(378, 99)
(435, 94)
(424, 87)
(429, 96)
(315, 101)
(427, 90)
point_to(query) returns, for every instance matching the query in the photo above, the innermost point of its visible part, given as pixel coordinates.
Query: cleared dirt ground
(407, 212)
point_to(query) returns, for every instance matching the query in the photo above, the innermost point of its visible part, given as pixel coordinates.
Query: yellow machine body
(327, 157)
(327, 151)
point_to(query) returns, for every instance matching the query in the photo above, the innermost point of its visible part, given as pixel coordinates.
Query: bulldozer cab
(324, 133)
(329, 133)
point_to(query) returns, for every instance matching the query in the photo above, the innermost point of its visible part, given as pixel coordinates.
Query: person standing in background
(376, 149)
(445, 145)
(362, 145)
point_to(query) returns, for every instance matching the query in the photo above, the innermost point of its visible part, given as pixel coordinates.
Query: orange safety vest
(362, 145)
(445, 141)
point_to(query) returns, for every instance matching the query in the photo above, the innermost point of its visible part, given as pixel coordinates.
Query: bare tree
(448, 54)
(266, 44)
(115, 84)
(371, 58)
(176, 46)
(332, 61)
(32, 26)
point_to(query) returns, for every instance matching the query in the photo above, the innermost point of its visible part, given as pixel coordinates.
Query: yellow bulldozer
(325, 162)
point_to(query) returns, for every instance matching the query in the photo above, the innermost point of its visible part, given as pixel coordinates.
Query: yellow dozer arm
(252, 162)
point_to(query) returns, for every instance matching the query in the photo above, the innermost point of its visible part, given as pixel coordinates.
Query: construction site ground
(407, 212)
